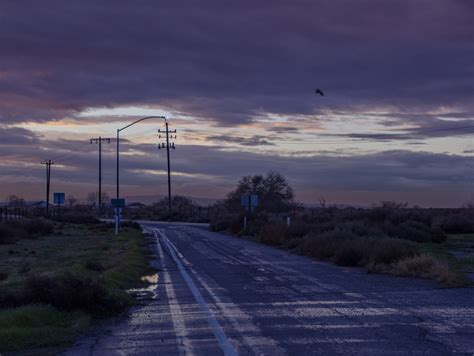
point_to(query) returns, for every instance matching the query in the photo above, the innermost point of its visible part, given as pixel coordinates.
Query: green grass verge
(39, 326)
(43, 279)
(457, 251)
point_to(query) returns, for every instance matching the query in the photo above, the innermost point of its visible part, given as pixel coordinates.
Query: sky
(236, 79)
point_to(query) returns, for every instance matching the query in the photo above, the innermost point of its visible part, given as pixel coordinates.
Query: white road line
(241, 322)
(184, 344)
(219, 333)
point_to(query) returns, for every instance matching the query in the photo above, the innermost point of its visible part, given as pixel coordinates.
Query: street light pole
(117, 219)
(169, 170)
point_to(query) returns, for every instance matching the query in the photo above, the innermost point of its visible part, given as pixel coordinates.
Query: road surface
(221, 295)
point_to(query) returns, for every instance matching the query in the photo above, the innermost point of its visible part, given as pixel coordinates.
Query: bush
(456, 223)
(37, 226)
(10, 234)
(274, 233)
(76, 219)
(325, 245)
(347, 249)
(232, 223)
(69, 292)
(424, 266)
(386, 251)
(131, 224)
(12, 231)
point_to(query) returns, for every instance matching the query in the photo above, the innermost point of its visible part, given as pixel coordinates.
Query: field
(54, 285)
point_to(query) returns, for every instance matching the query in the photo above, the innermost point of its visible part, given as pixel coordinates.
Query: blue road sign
(254, 200)
(118, 203)
(249, 200)
(59, 198)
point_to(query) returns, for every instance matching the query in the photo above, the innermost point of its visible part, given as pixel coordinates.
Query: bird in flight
(319, 91)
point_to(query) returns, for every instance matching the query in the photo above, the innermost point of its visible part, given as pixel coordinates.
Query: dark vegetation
(378, 239)
(59, 276)
(183, 209)
(385, 239)
(12, 231)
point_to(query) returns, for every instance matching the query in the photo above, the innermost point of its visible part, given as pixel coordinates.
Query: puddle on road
(149, 291)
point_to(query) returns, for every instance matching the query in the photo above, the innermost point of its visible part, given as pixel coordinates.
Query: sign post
(59, 199)
(250, 202)
(118, 204)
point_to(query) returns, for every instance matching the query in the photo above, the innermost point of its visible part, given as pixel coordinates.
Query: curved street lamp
(117, 219)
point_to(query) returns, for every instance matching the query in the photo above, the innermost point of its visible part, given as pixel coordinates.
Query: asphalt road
(221, 295)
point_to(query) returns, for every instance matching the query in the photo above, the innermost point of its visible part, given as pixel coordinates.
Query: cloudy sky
(237, 81)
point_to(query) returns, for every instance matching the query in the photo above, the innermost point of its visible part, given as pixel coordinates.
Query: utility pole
(168, 146)
(48, 164)
(99, 141)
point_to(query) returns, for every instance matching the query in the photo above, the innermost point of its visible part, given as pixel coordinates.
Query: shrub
(299, 229)
(77, 219)
(36, 227)
(385, 251)
(10, 234)
(274, 233)
(231, 223)
(424, 266)
(325, 245)
(12, 231)
(131, 224)
(70, 292)
(352, 252)
(456, 223)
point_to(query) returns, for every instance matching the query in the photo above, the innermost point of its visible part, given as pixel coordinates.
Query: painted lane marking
(219, 333)
(184, 344)
(251, 335)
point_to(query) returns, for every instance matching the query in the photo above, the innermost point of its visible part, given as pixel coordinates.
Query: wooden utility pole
(168, 145)
(48, 164)
(99, 141)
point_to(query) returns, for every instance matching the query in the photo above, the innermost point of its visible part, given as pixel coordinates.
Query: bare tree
(14, 200)
(93, 198)
(322, 202)
(71, 200)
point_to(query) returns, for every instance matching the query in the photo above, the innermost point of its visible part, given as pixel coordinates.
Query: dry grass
(423, 266)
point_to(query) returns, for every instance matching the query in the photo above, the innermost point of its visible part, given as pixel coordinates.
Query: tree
(274, 192)
(71, 200)
(178, 203)
(16, 201)
(93, 198)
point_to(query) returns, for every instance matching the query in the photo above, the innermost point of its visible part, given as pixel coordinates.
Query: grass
(53, 286)
(426, 266)
(457, 251)
(33, 326)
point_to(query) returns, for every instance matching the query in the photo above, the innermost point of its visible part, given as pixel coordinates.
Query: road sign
(118, 203)
(249, 200)
(59, 198)
(254, 200)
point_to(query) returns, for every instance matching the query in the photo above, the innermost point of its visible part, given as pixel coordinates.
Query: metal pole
(100, 174)
(48, 180)
(118, 182)
(169, 170)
